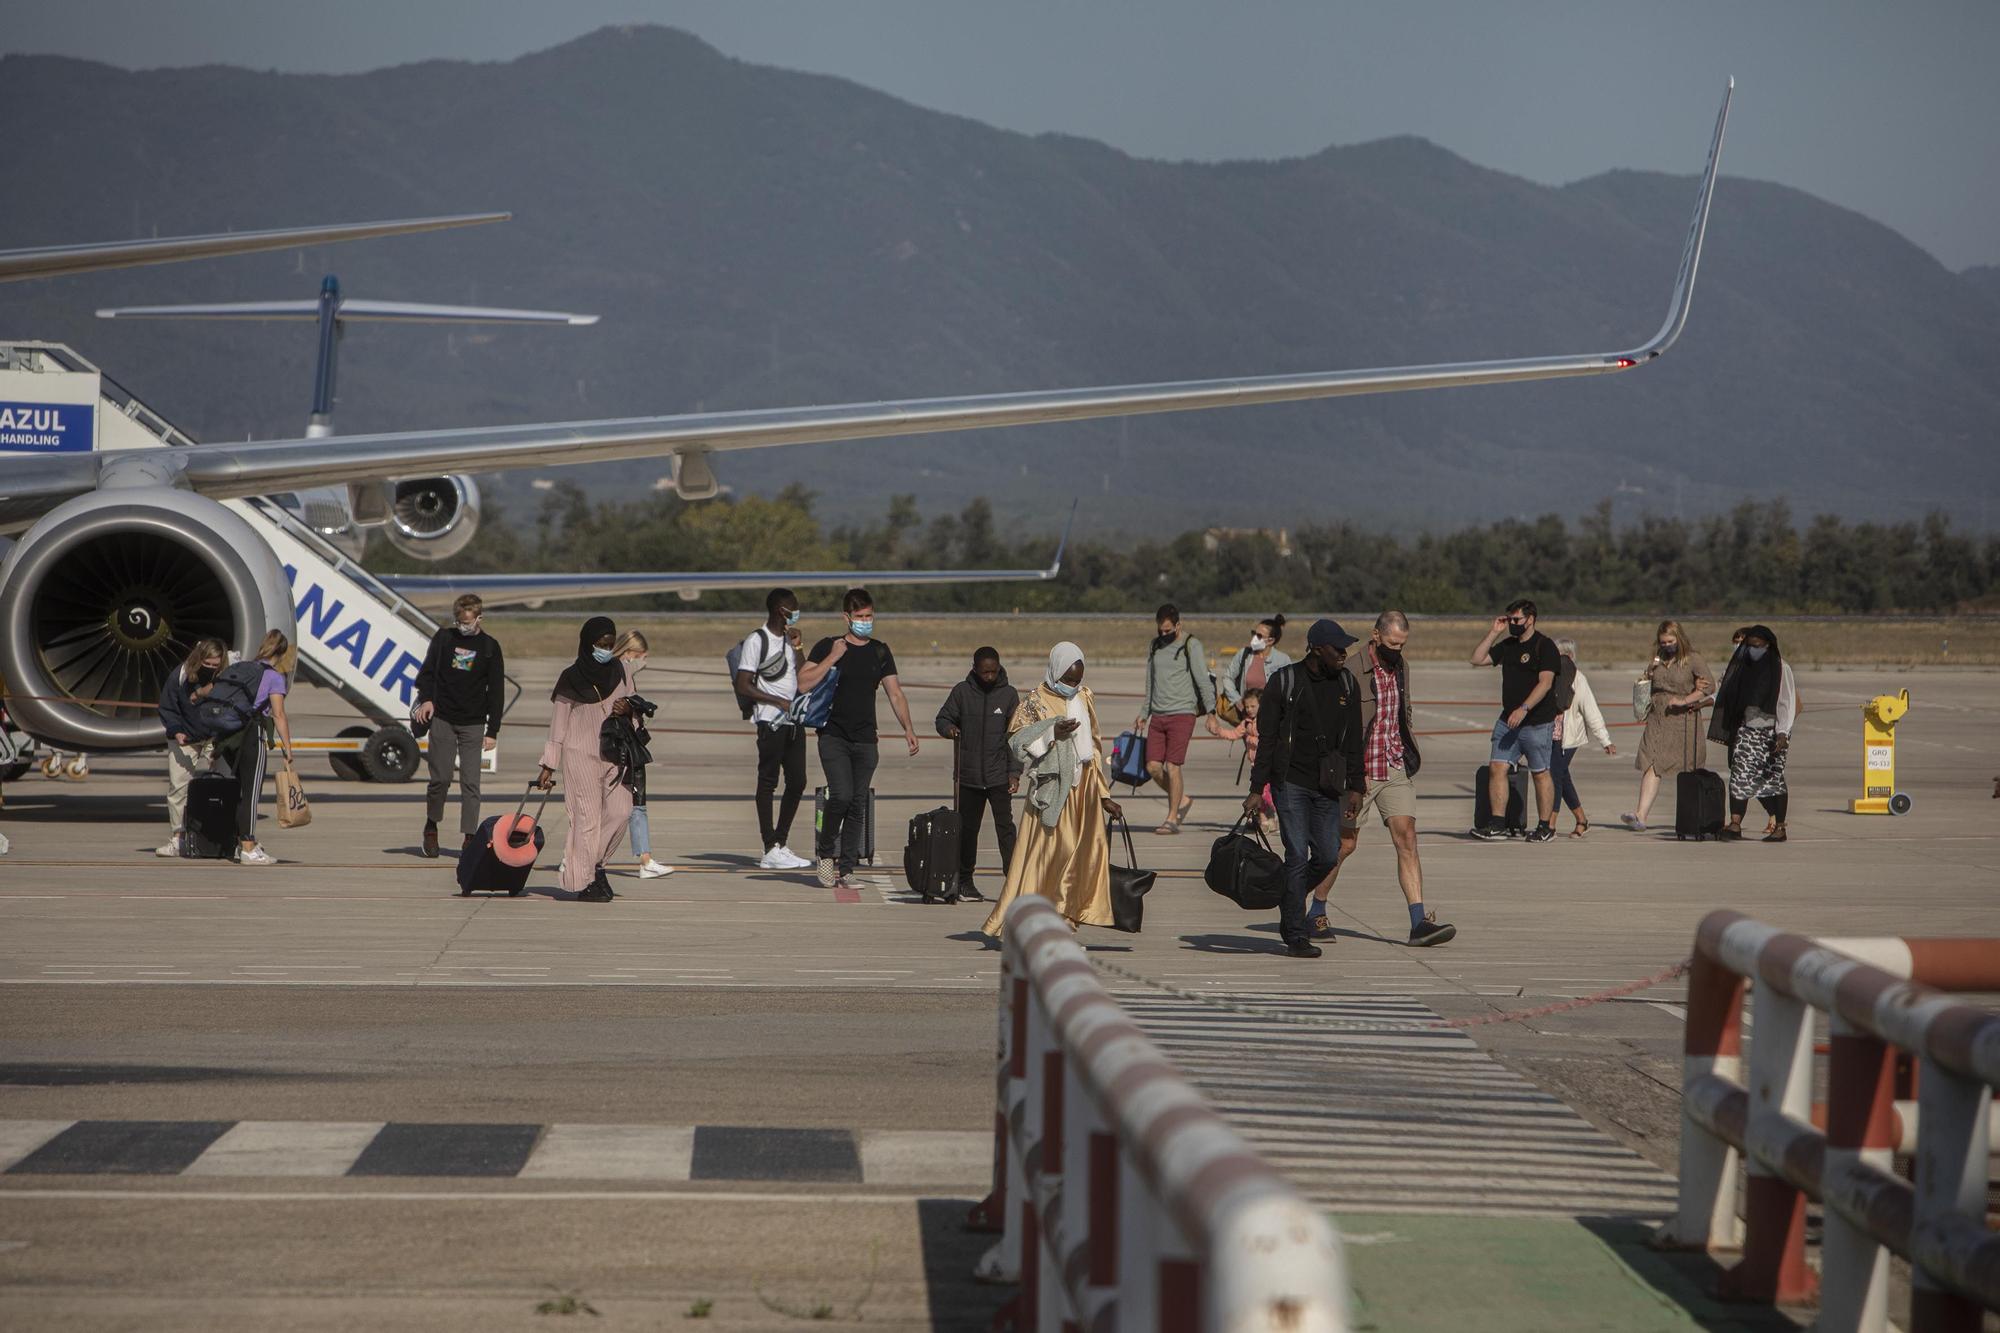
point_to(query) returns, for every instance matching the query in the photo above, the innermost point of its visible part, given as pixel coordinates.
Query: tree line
(1754, 559)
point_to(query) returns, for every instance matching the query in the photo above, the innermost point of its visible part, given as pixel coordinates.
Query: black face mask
(1163, 641)
(1389, 657)
(1516, 630)
(203, 675)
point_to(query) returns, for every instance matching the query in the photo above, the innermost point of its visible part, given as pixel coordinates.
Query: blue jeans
(638, 834)
(1309, 824)
(1535, 743)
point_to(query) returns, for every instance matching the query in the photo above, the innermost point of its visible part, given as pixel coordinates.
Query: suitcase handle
(516, 838)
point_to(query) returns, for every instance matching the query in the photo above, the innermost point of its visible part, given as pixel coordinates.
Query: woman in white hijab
(1064, 853)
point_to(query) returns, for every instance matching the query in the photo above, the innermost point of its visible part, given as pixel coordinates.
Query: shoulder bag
(1129, 884)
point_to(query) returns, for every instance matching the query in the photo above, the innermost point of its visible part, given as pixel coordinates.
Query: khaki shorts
(1396, 797)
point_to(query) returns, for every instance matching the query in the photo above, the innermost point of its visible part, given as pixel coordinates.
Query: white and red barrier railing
(1881, 996)
(1124, 1201)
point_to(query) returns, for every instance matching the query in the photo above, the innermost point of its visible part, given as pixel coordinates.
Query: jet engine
(103, 598)
(432, 517)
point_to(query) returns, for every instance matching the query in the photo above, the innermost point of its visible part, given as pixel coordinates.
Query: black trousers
(849, 767)
(779, 749)
(972, 803)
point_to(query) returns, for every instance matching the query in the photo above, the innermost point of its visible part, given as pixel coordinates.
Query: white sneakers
(651, 869)
(171, 847)
(256, 856)
(783, 858)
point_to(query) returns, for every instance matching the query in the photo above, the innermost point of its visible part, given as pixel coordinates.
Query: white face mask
(1258, 643)
(1756, 654)
(468, 630)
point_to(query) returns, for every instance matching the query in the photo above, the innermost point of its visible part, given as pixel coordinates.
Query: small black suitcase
(867, 821)
(1517, 801)
(480, 870)
(1700, 802)
(209, 830)
(930, 859)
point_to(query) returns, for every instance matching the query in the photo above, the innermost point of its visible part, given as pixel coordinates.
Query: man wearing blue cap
(1309, 749)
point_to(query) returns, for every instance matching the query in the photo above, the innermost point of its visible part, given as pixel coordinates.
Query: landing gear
(348, 766)
(390, 755)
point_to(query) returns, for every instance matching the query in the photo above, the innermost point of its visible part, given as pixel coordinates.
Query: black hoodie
(981, 716)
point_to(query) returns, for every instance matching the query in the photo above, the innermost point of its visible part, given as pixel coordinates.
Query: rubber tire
(347, 767)
(1899, 804)
(391, 755)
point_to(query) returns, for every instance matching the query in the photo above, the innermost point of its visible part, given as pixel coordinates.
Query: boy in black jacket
(1309, 749)
(461, 690)
(976, 714)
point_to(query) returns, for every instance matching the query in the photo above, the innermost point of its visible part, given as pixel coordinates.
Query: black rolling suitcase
(1516, 822)
(867, 821)
(209, 831)
(482, 870)
(930, 857)
(1700, 804)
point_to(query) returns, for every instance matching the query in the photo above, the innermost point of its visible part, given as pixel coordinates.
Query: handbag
(1245, 870)
(1129, 884)
(1642, 698)
(294, 811)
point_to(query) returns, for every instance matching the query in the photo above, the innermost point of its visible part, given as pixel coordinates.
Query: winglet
(1677, 312)
(1055, 565)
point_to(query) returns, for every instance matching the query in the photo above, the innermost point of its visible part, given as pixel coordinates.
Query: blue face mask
(791, 618)
(601, 654)
(1064, 688)
(861, 629)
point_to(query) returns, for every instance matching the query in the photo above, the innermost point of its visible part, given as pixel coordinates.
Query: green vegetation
(1751, 562)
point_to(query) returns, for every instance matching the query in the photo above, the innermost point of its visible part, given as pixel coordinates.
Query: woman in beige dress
(1675, 740)
(1064, 852)
(588, 691)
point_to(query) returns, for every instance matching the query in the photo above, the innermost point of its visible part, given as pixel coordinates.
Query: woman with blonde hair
(1674, 741)
(632, 649)
(1064, 851)
(189, 751)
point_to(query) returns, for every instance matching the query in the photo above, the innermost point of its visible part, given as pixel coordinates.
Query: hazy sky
(1889, 109)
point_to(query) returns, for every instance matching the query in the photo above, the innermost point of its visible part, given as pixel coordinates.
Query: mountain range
(758, 237)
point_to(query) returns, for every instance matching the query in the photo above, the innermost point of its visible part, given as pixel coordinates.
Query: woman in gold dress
(1064, 852)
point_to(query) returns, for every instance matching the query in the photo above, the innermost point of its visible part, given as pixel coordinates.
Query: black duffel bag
(1245, 870)
(1129, 885)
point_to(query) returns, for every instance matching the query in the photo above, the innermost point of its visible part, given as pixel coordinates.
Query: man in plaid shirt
(1389, 761)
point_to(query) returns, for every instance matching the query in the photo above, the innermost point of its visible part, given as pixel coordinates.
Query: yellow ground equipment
(1878, 756)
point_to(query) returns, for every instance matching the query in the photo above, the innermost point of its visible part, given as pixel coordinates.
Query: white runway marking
(18, 1138)
(286, 1148)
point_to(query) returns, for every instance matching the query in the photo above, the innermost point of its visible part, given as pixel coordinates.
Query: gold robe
(1069, 864)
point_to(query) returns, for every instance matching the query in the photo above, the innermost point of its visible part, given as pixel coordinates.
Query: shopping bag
(294, 811)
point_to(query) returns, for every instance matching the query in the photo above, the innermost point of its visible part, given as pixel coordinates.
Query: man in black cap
(1309, 749)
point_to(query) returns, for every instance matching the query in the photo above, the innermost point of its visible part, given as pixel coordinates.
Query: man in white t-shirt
(767, 679)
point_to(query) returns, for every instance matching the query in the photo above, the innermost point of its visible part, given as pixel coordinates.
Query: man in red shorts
(1178, 690)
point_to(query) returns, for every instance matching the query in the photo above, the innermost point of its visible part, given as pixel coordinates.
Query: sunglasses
(1513, 621)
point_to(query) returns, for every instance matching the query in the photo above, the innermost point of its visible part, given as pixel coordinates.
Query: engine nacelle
(431, 517)
(102, 599)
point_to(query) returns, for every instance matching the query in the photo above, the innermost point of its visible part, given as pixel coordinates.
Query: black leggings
(1777, 805)
(1565, 785)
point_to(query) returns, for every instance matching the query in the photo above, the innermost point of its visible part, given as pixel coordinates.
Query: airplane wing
(435, 593)
(234, 470)
(351, 312)
(51, 261)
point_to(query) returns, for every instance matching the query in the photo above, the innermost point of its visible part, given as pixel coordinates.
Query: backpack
(815, 709)
(766, 670)
(1565, 687)
(231, 703)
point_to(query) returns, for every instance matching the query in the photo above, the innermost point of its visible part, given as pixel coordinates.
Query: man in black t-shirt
(1528, 663)
(847, 752)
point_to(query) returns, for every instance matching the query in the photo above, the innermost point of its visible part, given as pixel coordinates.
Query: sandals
(1172, 826)
(1582, 827)
(1731, 832)
(1777, 834)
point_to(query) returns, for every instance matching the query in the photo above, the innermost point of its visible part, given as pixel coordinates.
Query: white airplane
(124, 553)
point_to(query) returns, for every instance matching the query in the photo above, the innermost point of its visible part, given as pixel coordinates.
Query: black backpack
(1565, 685)
(232, 701)
(770, 670)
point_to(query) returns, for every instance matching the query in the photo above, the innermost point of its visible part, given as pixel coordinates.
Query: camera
(640, 706)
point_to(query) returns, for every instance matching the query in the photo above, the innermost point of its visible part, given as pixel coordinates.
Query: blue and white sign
(48, 428)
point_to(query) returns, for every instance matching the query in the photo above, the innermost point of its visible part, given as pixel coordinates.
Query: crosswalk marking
(947, 1159)
(1382, 1115)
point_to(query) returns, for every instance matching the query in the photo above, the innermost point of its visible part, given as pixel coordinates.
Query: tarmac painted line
(286, 1148)
(612, 1152)
(464, 1196)
(18, 1138)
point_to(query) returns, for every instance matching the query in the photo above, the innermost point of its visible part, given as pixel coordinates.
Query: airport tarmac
(332, 1093)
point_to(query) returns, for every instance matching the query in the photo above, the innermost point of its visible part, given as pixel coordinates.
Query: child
(632, 648)
(1246, 731)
